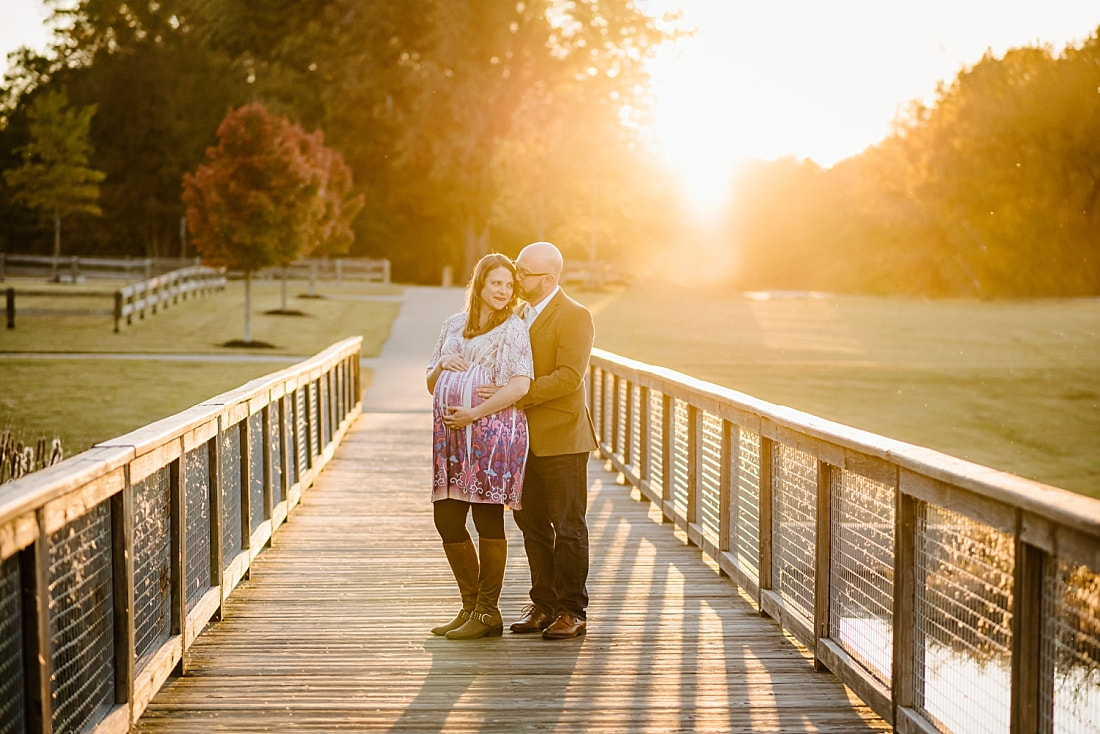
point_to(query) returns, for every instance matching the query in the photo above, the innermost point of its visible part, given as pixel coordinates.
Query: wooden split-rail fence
(140, 299)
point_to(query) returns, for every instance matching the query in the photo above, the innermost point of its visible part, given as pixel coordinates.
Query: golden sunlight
(819, 80)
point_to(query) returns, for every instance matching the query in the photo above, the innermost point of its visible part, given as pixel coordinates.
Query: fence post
(74, 268)
(2, 258)
(118, 309)
(9, 298)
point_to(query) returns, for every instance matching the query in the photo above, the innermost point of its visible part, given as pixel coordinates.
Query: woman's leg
(450, 521)
(485, 621)
(489, 520)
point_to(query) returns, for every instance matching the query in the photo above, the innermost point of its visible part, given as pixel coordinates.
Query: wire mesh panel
(316, 440)
(656, 441)
(794, 533)
(597, 397)
(256, 509)
(607, 391)
(197, 497)
(746, 523)
(152, 548)
(620, 445)
(962, 610)
(276, 438)
(636, 437)
(324, 408)
(232, 541)
(12, 701)
(710, 474)
(861, 584)
(678, 472)
(1071, 648)
(315, 420)
(81, 614)
(298, 435)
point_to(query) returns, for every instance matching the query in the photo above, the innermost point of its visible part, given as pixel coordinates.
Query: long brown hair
(486, 265)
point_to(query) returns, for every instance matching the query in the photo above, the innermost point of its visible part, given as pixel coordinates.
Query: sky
(824, 79)
(818, 79)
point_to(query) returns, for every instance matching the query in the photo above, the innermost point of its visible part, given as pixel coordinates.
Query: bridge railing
(113, 561)
(947, 595)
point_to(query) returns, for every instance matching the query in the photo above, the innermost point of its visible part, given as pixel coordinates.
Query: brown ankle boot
(485, 620)
(464, 565)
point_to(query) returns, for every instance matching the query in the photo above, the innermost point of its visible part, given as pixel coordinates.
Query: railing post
(694, 459)
(9, 298)
(177, 485)
(727, 495)
(615, 447)
(822, 556)
(217, 563)
(629, 423)
(122, 562)
(643, 436)
(668, 437)
(904, 612)
(765, 520)
(118, 310)
(36, 613)
(74, 268)
(1028, 676)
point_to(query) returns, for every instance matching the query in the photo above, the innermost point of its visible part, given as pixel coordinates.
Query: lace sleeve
(448, 326)
(515, 352)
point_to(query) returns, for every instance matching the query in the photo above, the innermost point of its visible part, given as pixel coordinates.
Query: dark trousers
(555, 536)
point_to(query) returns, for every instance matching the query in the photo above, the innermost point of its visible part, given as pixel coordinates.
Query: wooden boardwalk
(330, 633)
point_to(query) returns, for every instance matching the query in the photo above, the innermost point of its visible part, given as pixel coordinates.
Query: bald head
(538, 267)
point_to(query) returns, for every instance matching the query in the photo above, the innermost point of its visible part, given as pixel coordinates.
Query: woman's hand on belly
(456, 417)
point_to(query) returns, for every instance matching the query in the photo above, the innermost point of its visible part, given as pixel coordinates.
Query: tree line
(472, 125)
(991, 190)
(466, 125)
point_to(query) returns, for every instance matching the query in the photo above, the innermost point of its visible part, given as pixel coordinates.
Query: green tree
(55, 177)
(268, 193)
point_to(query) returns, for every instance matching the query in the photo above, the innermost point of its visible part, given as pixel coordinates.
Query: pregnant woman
(480, 446)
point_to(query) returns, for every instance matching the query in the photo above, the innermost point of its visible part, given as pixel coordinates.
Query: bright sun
(819, 80)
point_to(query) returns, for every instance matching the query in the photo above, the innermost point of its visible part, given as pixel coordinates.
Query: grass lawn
(1013, 385)
(88, 400)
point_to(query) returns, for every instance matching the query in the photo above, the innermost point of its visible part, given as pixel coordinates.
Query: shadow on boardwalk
(331, 631)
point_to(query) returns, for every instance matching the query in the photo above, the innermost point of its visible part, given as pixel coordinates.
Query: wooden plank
(16, 534)
(330, 631)
(64, 510)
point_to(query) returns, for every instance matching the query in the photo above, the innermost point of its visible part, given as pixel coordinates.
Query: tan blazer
(557, 412)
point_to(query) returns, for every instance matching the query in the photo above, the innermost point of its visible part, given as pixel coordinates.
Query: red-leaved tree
(268, 194)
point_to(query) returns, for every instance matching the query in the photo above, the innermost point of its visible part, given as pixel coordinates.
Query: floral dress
(484, 461)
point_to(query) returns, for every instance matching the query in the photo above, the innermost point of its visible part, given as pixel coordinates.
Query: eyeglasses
(522, 274)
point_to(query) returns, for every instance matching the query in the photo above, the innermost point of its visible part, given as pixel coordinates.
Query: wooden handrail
(787, 503)
(189, 501)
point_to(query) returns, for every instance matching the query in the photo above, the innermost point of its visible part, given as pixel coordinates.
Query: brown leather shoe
(533, 620)
(564, 627)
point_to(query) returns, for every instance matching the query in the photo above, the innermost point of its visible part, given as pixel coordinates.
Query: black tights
(450, 520)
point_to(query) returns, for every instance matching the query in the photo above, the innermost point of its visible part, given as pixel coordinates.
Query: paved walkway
(399, 384)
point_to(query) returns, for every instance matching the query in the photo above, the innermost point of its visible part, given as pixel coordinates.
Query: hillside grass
(87, 400)
(1012, 385)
